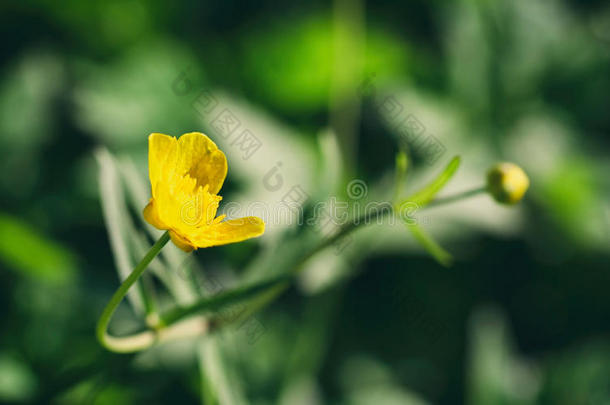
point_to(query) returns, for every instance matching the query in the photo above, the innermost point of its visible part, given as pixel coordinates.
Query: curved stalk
(140, 340)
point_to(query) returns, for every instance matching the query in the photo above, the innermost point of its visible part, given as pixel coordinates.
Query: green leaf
(226, 299)
(402, 164)
(218, 386)
(18, 383)
(427, 194)
(26, 250)
(496, 370)
(330, 167)
(431, 246)
(209, 360)
(423, 197)
(118, 222)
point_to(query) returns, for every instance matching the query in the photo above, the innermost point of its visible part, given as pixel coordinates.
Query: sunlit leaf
(303, 82)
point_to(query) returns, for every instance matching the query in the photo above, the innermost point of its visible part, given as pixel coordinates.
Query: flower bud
(507, 183)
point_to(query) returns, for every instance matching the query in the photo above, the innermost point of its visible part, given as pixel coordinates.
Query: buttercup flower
(186, 175)
(507, 183)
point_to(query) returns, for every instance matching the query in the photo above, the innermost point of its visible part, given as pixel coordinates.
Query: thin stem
(257, 303)
(142, 339)
(148, 292)
(400, 172)
(273, 286)
(276, 285)
(456, 197)
(267, 290)
(224, 299)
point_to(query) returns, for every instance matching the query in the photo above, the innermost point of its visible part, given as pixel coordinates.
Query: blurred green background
(521, 318)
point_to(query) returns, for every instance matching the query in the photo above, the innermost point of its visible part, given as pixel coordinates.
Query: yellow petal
(162, 161)
(234, 230)
(200, 158)
(181, 242)
(195, 210)
(152, 216)
(185, 175)
(193, 154)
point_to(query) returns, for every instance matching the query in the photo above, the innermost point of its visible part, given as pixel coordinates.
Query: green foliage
(426, 194)
(522, 81)
(51, 262)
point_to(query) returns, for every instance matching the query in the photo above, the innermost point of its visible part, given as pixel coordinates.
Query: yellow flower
(507, 183)
(185, 176)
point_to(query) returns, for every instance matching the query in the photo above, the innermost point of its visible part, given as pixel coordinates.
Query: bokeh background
(522, 317)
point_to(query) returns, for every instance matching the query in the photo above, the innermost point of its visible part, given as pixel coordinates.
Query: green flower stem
(263, 292)
(400, 173)
(433, 248)
(143, 339)
(270, 288)
(456, 197)
(224, 299)
(274, 286)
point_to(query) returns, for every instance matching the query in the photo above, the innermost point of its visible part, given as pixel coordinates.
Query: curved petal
(162, 160)
(181, 242)
(151, 215)
(194, 211)
(234, 230)
(200, 158)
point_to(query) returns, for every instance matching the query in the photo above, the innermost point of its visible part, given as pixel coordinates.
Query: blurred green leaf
(17, 382)
(97, 390)
(427, 194)
(574, 199)
(148, 88)
(578, 375)
(495, 374)
(400, 173)
(330, 167)
(467, 40)
(431, 246)
(368, 381)
(302, 81)
(118, 223)
(217, 387)
(421, 198)
(27, 117)
(28, 251)
(228, 298)
(26, 96)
